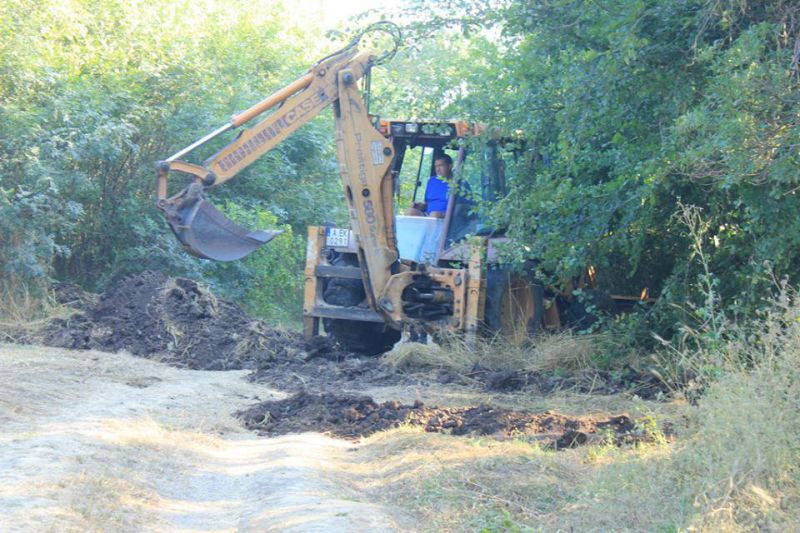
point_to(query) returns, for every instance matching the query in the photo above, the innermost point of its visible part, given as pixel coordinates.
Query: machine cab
(478, 178)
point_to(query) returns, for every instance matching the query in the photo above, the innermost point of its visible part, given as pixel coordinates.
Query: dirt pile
(173, 319)
(328, 373)
(182, 323)
(354, 416)
(587, 381)
(73, 295)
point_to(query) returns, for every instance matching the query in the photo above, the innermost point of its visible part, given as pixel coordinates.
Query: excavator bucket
(207, 233)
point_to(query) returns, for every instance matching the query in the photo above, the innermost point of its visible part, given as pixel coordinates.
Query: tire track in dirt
(92, 440)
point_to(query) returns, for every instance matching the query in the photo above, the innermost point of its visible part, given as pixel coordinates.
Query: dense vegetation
(92, 93)
(629, 109)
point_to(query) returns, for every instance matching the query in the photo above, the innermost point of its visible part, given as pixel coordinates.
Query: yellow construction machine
(385, 273)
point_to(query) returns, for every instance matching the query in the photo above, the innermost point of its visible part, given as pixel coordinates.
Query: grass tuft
(21, 301)
(563, 351)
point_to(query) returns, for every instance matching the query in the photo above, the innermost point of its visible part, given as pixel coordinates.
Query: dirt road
(98, 441)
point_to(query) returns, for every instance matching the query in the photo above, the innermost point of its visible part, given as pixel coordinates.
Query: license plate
(337, 237)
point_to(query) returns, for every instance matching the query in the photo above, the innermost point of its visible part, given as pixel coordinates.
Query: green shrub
(269, 282)
(91, 96)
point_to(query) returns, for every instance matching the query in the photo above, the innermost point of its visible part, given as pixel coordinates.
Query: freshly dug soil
(355, 416)
(181, 322)
(324, 367)
(73, 296)
(173, 319)
(184, 324)
(589, 381)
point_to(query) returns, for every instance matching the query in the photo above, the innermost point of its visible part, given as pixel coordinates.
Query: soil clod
(73, 296)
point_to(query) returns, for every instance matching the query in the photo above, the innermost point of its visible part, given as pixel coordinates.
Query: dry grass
(22, 314)
(558, 351)
(457, 484)
(735, 465)
(18, 325)
(548, 352)
(17, 300)
(744, 453)
(106, 501)
(415, 355)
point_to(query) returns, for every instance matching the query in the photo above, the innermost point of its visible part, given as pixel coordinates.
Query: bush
(91, 96)
(627, 108)
(269, 282)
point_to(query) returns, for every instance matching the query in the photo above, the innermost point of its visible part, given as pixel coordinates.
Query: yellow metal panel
(296, 110)
(312, 288)
(272, 100)
(476, 289)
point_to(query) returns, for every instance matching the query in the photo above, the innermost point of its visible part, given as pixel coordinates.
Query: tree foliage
(628, 109)
(93, 92)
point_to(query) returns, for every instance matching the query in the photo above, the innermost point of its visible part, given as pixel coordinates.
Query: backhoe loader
(386, 273)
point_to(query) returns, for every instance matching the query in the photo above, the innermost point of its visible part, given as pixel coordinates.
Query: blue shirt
(436, 194)
(437, 191)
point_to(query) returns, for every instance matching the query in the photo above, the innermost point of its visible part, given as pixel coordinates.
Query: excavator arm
(364, 156)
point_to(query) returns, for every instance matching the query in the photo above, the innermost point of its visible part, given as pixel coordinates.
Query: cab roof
(432, 133)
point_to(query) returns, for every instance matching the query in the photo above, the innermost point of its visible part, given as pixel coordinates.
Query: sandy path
(95, 441)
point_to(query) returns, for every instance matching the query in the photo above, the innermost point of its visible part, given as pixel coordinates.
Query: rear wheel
(514, 306)
(583, 312)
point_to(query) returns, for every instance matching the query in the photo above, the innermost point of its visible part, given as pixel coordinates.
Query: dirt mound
(587, 381)
(354, 416)
(73, 295)
(181, 322)
(329, 372)
(173, 319)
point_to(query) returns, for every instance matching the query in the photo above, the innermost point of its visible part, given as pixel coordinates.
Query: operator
(437, 189)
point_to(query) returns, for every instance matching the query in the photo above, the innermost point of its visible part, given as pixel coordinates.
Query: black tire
(514, 305)
(344, 292)
(578, 315)
(367, 338)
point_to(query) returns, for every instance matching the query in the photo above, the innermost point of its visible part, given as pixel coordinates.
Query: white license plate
(337, 237)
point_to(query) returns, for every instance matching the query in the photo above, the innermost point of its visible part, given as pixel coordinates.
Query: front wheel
(514, 306)
(366, 338)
